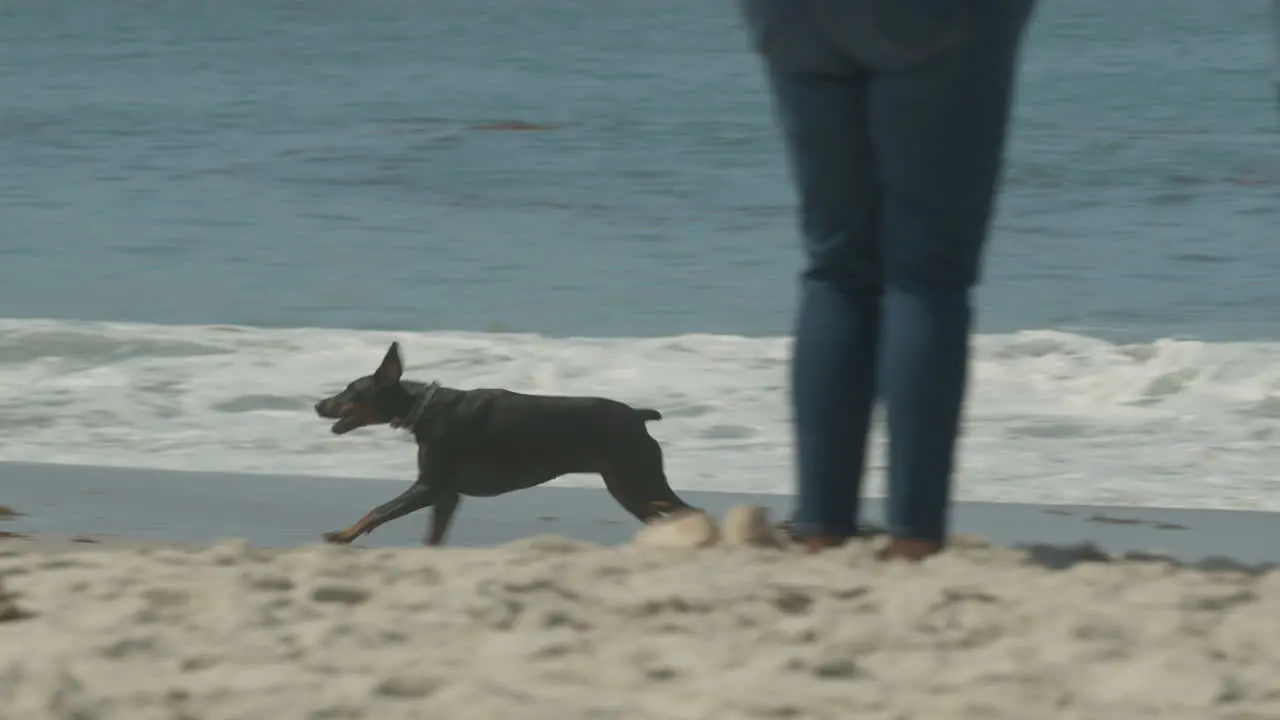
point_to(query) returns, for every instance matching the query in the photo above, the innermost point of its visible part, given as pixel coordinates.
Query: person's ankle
(910, 549)
(818, 542)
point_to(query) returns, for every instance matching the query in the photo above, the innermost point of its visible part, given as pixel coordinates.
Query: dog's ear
(392, 367)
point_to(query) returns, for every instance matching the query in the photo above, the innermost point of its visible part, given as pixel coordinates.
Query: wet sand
(281, 511)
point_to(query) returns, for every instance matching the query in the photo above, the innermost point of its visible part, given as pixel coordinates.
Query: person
(894, 116)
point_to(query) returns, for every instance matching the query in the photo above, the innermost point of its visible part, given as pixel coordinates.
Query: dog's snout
(332, 408)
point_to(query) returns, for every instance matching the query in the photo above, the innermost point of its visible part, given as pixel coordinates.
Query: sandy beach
(157, 621)
(552, 627)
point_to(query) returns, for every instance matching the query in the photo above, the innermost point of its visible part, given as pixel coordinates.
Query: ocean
(215, 213)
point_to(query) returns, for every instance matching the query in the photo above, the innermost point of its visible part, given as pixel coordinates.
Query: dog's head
(370, 400)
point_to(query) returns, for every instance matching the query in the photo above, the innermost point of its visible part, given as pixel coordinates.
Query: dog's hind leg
(418, 496)
(441, 514)
(649, 480)
(617, 485)
(641, 496)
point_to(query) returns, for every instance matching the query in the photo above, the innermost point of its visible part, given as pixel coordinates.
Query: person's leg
(833, 367)
(820, 97)
(939, 133)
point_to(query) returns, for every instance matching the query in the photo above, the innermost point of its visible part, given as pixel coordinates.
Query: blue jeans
(894, 114)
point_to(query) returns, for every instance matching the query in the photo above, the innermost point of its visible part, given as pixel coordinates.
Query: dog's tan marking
(351, 533)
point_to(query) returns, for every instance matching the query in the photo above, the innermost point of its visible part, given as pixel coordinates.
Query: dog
(489, 442)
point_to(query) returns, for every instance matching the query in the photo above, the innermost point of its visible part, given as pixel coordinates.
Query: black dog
(484, 443)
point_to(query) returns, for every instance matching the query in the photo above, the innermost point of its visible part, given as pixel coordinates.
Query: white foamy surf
(1054, 417)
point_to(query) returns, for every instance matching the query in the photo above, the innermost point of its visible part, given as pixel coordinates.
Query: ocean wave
(1054, 417)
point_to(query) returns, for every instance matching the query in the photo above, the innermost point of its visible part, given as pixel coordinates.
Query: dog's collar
(419, 407)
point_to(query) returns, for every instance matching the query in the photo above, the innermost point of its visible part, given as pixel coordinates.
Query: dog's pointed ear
(392, 367)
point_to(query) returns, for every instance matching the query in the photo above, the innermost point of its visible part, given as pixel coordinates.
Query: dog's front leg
(441, 514)
(418, 496)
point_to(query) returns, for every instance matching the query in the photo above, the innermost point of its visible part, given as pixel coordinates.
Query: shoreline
(273, 511)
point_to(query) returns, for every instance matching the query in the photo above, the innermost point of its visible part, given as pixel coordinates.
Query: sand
(555, 628)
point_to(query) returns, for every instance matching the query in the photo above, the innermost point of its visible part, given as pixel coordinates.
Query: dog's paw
(339, 537)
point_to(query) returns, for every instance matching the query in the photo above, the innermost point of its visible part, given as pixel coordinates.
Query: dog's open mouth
(347, 423)
(348, 416)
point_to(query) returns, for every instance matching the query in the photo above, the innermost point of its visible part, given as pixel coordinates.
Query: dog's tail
(646, 414)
